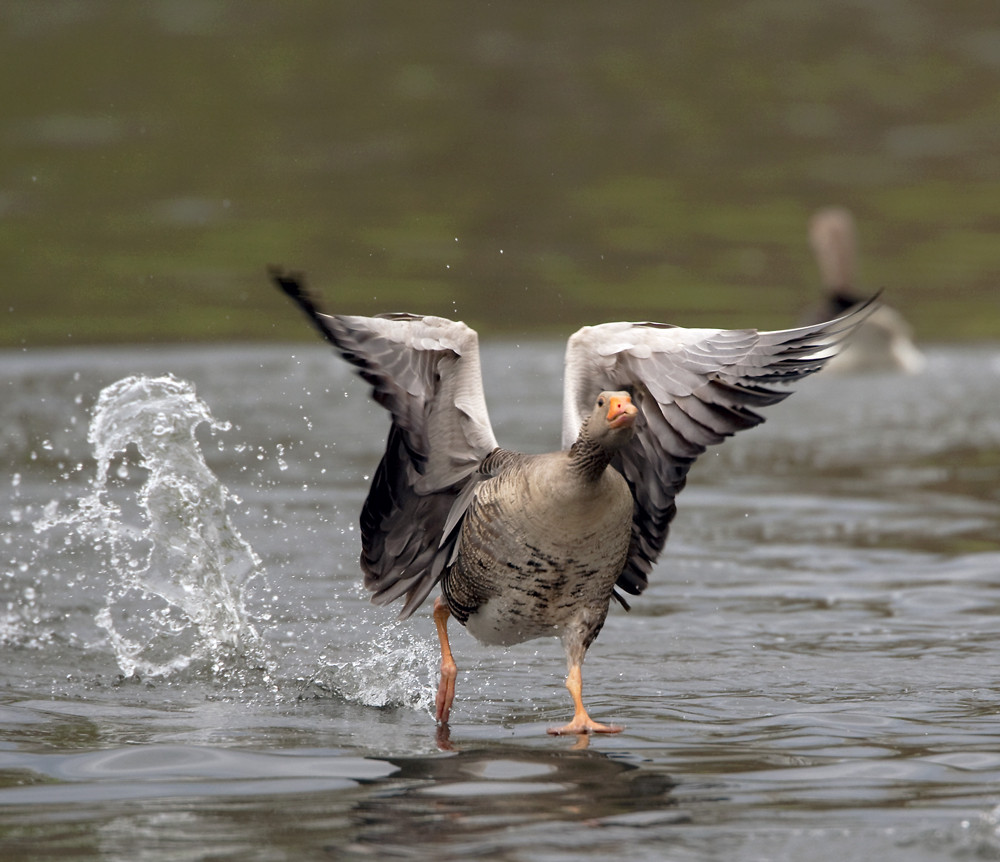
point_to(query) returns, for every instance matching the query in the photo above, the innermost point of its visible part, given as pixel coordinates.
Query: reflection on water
(457, 804)
(808, 675)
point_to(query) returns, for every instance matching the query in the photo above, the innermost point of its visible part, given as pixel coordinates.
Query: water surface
(809, 675)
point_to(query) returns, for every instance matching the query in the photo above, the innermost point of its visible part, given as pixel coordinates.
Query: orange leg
(449, 670)
(581, 723)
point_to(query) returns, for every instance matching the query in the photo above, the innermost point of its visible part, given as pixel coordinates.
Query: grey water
(192, 670)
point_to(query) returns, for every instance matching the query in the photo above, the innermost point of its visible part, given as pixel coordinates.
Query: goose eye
(600, 401)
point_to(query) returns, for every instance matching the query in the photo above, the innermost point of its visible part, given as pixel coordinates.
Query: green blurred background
(523, 166)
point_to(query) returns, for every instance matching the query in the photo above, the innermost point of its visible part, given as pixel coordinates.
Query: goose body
(527, 546)
(552, 570)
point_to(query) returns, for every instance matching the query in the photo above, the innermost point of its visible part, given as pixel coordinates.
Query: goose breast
(540, 552)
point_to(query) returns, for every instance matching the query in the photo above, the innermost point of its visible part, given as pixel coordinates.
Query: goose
(527, 546)
(884, 342)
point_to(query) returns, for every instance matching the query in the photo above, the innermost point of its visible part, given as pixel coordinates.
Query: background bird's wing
(694, 388)
(425, 371)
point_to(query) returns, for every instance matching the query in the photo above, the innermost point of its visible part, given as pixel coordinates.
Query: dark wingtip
(293, 285)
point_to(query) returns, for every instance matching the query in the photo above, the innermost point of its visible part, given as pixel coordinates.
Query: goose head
(611, 424)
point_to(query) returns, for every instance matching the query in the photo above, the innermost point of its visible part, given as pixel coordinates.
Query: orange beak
(621, 411)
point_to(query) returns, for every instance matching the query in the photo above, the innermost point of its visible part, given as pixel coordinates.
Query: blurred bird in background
(884, 341)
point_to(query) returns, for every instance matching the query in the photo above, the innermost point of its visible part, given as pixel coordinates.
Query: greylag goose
(526, 546)
(884, 342)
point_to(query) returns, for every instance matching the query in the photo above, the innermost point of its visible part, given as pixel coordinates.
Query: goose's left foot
(581, 723)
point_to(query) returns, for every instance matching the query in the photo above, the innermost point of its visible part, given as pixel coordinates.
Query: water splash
(175, 591)
(392, 668)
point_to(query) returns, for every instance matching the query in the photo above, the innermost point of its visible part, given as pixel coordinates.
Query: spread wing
(694, 388)
(425, 371)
